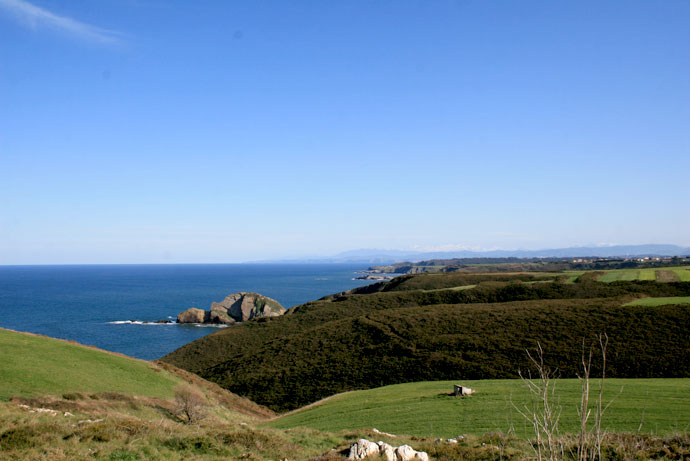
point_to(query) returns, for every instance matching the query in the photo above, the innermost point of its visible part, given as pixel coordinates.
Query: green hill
(659, 406)
(420, 328)
(62, 401)
(37, 365)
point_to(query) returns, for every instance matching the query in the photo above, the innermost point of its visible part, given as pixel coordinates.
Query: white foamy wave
(138, 322)
(143, 322)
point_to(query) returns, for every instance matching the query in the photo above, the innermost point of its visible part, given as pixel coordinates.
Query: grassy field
(36, 365)
(573, 275)
(665, 274)
(621, 274)
(683, 273)
(460, 288)
(660, 301)
(647, 274)
(658, 406)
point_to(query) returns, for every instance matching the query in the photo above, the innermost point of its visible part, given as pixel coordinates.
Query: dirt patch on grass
(666, 276)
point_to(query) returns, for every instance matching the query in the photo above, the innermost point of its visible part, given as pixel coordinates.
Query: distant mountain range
(377, 256)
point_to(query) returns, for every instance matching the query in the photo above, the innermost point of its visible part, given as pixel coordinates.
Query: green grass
(647, 274)
(683, 273)
(658, 406)
(620, 274)
(660, 301)
(36, 365)
(460, 288)
(573, 275)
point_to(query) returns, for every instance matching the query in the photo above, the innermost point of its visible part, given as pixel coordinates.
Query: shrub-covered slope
(439, 281)
(363, 341)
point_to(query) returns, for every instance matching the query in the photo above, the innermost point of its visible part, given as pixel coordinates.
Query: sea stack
(237, 307)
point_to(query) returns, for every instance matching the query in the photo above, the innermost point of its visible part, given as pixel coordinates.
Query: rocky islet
(237, 307)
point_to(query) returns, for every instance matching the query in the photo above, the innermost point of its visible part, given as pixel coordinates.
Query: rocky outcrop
(375, 277)
(192, 315)
(246, 306)
(219, 314)
(237, 307)
(363, 448)
(406, 452)
(386, 451)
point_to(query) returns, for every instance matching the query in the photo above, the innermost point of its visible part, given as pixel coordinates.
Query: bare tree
(543, 411)
(590, 441)
(583, 410)
(190, 404)
(598, 434)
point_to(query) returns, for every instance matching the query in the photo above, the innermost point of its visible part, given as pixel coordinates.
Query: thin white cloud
(35, 17)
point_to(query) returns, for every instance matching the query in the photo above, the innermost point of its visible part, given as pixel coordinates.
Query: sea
(113, 307)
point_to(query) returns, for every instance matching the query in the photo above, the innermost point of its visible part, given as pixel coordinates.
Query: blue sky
(135, 131)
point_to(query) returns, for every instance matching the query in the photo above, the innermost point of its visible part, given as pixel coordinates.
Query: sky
(151, 131)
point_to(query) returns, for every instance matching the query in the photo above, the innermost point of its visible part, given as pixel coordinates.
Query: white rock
(405, 453)
(45, 410)
(386, 451)
(90, 421)
(383, 445)
(363, 448)
(382, 433)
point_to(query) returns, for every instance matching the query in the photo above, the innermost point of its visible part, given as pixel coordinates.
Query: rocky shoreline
(375, 277)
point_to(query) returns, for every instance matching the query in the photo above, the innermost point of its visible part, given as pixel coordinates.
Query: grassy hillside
(658, 406)
(399, 334)
(74, 402)
(37, 365)
(88, 420)
(67, 401)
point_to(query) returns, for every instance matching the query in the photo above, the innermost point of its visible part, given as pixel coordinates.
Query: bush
(190, 405)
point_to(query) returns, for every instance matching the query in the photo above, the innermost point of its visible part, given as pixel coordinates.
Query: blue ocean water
(80, 302)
